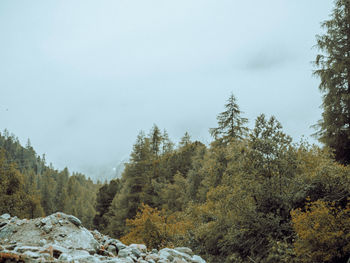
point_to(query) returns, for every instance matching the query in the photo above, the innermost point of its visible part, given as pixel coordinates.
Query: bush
(155, 228)
(323, 232)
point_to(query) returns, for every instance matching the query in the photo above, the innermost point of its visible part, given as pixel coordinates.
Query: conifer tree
(230, 122)
(333, 68)
(155, 140)
(185, 140)
(167, 144)
(47, 192)
(104, 200)
(132, 194)
(61, 198)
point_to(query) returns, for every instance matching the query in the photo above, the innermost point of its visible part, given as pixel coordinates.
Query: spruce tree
(104, 200)
(185, 140)
(167, 146)
(333, 68)
(155, 140)
(132, 193)
(230, 122)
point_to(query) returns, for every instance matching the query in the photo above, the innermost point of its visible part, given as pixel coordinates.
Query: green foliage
(29, 188)
(211, 170)
(185, 140)
(155, 140)
(136, 176)
(281, 251)
(246, 214)
(230, 123)
(196, 174)
(174, 194)
(235, 196)
(12, 195)
(333, 68)
(153, 177)
(104, 200)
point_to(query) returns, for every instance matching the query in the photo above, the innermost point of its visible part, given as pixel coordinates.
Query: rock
(186, 250)
(65, 257)
(13, 219)
(136, 252)
(76, 254)
(44, 221)
(10, 246)
(119, 260)
(56, 249)
(62, 238)
(42, 242)
(7, 231)
(22, 249)
(30, 254)
(120, 246)
(45, 257)
(5, 216)
(198, 259)
(133, 257)
(47, 228)
(165, 255)
(152, 257)
(74, 220)
(171, 254)
(123, 253)
(112, 249)
(140, 247)
(59, 215)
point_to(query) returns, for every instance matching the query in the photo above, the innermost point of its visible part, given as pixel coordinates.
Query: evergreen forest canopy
(252, 195)
(30, 188)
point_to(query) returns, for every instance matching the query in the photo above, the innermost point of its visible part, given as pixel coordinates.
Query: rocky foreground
(62, 238)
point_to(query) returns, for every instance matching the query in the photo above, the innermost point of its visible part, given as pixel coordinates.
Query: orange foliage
(323, 232)
(4, 256)
(154, 228)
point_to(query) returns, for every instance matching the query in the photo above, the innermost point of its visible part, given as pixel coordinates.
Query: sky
(81, 78)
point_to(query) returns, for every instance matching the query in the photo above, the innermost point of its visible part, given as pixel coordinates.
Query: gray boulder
(5, 216)
(74, 220)
(62, 238)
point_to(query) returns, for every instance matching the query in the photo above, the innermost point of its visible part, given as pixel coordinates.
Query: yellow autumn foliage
(155, 228)
(323, 232)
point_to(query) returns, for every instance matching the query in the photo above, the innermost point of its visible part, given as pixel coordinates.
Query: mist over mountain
(105, 172)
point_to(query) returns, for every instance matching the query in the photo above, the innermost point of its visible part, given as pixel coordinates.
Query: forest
(251, 195)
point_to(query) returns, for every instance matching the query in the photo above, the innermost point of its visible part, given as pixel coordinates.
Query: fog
(80, 79)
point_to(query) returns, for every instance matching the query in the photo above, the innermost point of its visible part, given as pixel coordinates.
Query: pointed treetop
(230, 123)
(185, 140)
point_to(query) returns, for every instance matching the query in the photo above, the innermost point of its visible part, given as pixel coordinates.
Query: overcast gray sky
(82, 78)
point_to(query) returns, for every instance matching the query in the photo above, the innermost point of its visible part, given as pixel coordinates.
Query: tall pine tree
(333, 68)
(230, 123)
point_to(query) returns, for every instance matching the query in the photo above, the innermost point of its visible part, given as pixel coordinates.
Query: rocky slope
(62, 238)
